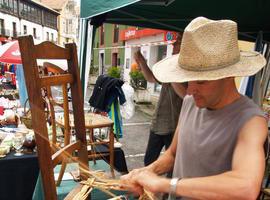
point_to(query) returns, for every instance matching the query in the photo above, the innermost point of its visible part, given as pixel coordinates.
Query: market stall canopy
(252, 16)
(10, 53)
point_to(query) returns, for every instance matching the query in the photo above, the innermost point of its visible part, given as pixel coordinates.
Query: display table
(18, 176)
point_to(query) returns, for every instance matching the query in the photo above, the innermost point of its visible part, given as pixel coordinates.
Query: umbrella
(10, 53)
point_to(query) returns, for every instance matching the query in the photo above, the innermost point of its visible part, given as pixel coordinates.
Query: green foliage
(93, 70)
(137, 80)
(114, 72)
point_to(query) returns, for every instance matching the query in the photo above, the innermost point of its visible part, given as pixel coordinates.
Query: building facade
(22, 17)
(115, 45)
(154, 45)
(68, 20)
(108, 49)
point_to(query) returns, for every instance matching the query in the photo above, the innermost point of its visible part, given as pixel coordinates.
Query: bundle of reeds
(99, 180)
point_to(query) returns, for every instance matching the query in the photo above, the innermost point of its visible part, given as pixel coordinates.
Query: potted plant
(139, 84)
(114, 71)
(137, 80)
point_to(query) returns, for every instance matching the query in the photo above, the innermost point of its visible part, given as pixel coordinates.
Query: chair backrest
(35, 82)
(52, 69)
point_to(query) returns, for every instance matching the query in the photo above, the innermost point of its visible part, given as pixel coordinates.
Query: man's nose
(191, 89)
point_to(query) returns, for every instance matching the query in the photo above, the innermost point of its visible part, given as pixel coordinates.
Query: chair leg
(91, 137)
(61, 173)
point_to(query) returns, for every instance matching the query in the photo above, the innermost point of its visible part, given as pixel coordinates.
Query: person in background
(217, 151)
(167, 110)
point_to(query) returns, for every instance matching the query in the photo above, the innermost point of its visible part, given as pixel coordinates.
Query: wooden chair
(97, 121)
(34, 83)
(51, 70)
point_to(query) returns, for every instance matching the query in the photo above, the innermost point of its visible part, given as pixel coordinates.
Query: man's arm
(242, 182)
(147, 73)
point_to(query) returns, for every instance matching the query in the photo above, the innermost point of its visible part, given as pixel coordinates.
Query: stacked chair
(35, 84)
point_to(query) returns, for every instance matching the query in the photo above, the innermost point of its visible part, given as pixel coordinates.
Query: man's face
(207, 94)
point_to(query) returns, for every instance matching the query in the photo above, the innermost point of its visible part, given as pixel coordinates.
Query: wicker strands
(99, 180)
(209, 51)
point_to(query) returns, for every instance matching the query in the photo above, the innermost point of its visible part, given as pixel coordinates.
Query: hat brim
(169, 71)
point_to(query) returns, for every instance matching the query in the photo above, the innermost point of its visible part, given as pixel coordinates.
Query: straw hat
(209, 51)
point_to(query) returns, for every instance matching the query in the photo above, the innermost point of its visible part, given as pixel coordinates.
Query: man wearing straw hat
(217, 151)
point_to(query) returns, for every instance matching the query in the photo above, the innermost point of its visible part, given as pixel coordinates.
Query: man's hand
(140, 60)
(129, 183)
(139, 179)
(142, 65)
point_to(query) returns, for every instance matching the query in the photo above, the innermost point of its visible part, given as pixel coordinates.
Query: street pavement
(135, 138)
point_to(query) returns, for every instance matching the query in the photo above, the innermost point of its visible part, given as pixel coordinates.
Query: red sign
(133, 33)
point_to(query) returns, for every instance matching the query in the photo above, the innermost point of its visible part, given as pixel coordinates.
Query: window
(50, 20)
(127, 63)
(116, 33)
(52, 37)
(24, 29)
(48, 36)
(28, 11)
(102, 34)
(5, 3)
(2, 27)
(35, 33)
(15, 7)
(14, 29)
(114, 59)
(9, 6)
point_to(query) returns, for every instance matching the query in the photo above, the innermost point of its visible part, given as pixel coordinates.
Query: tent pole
(82, 40)
(89, 47)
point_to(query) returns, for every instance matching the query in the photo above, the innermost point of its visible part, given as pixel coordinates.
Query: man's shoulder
(247, 103)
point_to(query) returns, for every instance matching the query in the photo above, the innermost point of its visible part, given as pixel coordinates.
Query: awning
(252, 16)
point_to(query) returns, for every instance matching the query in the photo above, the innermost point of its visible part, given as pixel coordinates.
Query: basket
(26, 118)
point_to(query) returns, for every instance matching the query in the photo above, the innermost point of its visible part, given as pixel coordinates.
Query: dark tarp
(252, 16)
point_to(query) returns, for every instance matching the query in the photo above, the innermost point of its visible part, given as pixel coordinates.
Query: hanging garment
(115, 115)
(106, 90)
(21, 83)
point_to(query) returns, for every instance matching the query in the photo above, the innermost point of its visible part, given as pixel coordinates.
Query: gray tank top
(207, 138)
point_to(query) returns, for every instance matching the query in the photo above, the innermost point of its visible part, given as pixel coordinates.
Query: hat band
(200, 69)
